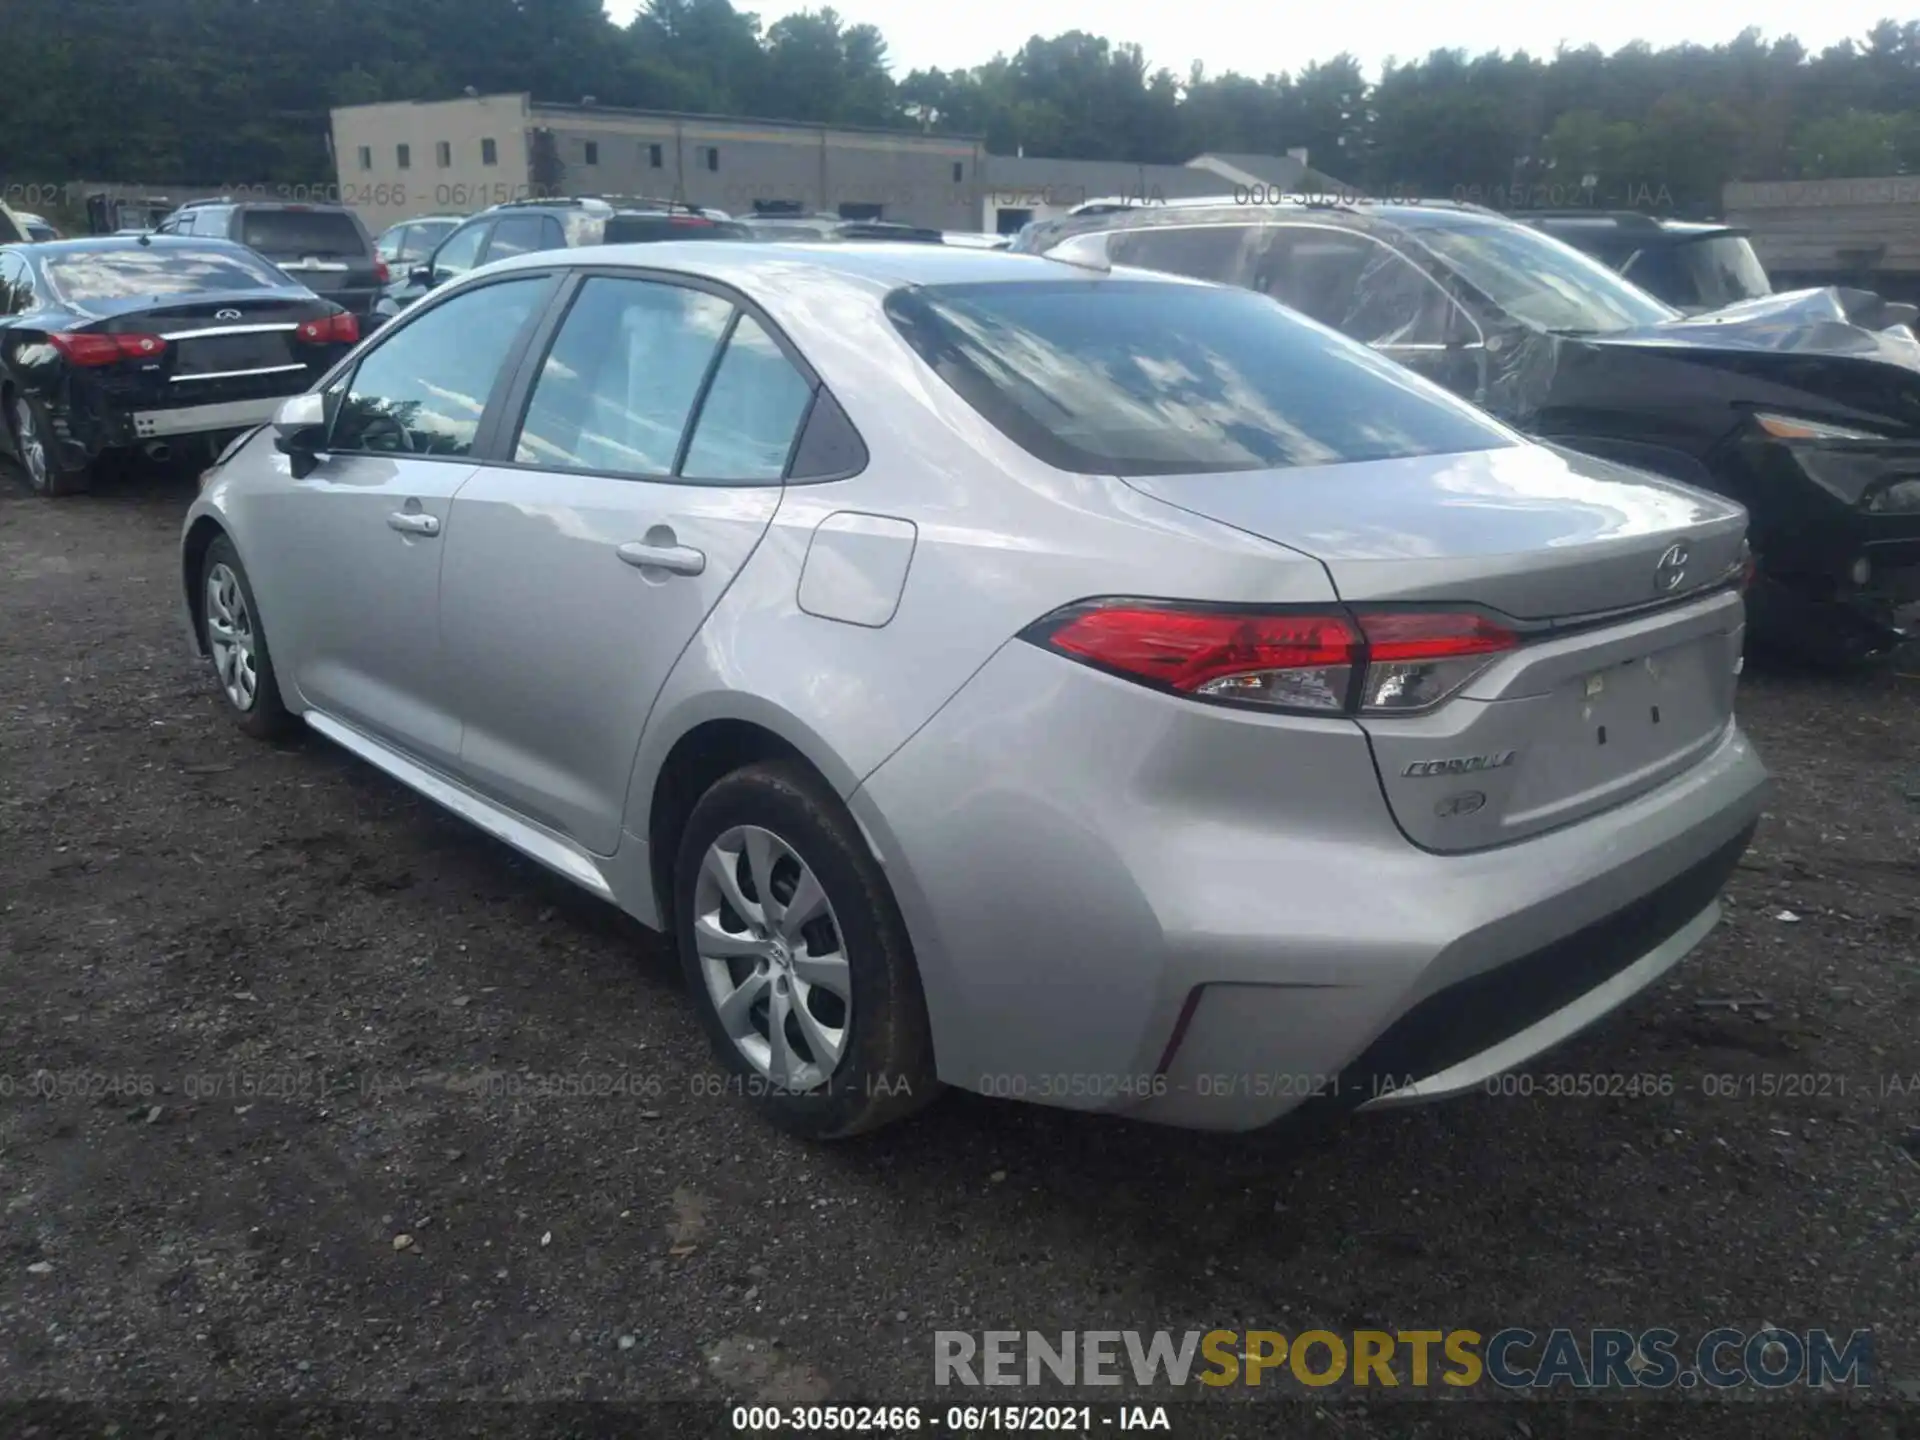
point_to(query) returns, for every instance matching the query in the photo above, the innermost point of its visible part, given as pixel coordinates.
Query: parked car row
(1023, 673)
(1804, 408)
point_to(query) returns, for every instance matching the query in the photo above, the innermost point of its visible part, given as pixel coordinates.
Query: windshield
(1708, 273)
(1136, 377)
(1538, 280)
(140, 271)
(296, 234)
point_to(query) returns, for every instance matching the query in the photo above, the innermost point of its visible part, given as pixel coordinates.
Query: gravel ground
(276, 983)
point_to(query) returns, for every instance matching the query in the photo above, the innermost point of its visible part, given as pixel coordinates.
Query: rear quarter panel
(1001, 540)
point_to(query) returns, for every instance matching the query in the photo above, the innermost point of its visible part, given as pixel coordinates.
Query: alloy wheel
(773, 957)
(230, 637)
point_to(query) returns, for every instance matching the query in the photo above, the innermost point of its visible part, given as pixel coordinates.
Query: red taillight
(381, 274)
(690, 220)
(341, 329)
(1388, 662)
(91, 348)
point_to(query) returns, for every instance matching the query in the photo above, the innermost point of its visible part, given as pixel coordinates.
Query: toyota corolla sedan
(1087, 686)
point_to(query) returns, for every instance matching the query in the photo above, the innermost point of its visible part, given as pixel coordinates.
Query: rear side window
(1134, 377)
(751, 413)
(295, 234)
(161, 269)
(619, 385)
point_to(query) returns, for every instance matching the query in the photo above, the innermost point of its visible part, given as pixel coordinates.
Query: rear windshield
(295, 234)
(143, 270)
(1126, 377)
(642, 229)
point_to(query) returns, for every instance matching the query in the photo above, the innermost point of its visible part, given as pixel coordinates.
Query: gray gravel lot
(273, 985)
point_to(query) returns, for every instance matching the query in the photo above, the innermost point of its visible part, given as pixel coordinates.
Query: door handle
(678, 559)
(412, 522)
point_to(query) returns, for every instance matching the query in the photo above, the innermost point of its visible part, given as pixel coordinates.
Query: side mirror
(299, 427)
(421, 275)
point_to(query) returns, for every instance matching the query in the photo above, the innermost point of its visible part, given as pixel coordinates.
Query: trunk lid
(1625, 676)
(217, 342)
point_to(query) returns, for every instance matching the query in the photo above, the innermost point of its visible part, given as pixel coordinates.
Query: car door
(354, 547)
(657, 426)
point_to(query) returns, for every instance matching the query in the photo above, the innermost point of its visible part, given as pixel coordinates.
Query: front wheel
(237, 645)
(797, 957)
(39, 451)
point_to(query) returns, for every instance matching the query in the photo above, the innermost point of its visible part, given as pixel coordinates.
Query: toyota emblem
(226, 314)
(1672, 568)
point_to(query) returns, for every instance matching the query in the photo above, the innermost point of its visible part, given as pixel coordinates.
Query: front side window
(1535, 278)
(524, 234)
(619, 385)
(751, 413)
(139, 270)
(423, 390)
(1142, 377)
(461, 252)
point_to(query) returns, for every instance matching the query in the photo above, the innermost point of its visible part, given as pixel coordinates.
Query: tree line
(213, 91)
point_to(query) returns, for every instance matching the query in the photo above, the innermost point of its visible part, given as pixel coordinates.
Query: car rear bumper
(1201, 916)
(202, 419)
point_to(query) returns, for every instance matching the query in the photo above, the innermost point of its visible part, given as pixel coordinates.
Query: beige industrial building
(395, 161)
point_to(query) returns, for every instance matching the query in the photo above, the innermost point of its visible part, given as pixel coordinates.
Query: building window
(489, 153)
(959, 171)
(366, 157)
(443, 154)
(403, 156)
(854, 211)
(655, 157)
(713, 157)
(592, 149)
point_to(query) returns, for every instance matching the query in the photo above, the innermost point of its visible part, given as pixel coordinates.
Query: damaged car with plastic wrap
(1803, 407)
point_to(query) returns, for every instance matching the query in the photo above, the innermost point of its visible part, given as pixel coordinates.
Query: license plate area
(1626, 724)
(221, 354)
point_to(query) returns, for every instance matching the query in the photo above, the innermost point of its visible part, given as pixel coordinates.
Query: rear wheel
(34, 443)
(237, 645)
(797, 957)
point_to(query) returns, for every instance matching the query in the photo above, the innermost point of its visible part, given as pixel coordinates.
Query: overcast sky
(1256, 38)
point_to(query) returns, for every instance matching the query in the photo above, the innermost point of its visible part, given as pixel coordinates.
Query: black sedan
(150, 342)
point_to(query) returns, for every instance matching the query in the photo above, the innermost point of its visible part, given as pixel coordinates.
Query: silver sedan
(1081, 686)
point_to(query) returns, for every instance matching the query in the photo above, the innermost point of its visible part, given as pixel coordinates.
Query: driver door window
(461, 252)
(423, 390)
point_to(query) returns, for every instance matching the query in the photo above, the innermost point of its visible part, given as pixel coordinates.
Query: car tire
(779, 820)
(242, 663)
(38, 454)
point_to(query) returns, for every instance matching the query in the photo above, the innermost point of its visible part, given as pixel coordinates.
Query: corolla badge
(1461, 765)
(1672, 568)
(226, 314)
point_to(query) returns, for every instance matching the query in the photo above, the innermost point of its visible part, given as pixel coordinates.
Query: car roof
(757, 266)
